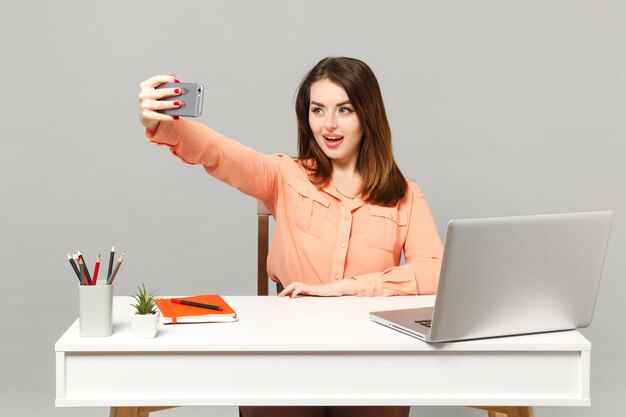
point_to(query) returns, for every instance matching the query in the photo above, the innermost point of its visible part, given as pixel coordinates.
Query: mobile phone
(191, 98)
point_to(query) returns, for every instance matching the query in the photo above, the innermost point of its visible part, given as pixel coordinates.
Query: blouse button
(343, 245)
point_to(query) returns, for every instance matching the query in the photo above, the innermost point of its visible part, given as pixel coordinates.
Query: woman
(343, 210)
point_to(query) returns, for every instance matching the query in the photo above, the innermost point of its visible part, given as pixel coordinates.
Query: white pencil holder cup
(95, 303)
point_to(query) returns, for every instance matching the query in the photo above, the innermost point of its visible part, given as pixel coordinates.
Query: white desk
(314, 351)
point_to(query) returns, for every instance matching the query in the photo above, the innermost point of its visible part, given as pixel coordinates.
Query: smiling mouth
(333, 138)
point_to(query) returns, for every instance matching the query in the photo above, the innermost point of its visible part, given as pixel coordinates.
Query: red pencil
(95, 271)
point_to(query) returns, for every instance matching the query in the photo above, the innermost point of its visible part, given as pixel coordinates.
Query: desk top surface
(280, 324)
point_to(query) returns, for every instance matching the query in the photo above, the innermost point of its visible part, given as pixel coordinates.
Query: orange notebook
(172, 313)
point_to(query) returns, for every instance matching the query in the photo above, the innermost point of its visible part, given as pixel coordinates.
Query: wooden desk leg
(520, 412)
(508, 411)
(123, 412)
(134, 411)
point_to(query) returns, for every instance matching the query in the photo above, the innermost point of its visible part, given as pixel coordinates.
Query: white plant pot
(145, 326)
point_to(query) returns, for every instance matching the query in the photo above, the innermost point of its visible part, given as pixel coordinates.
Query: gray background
(497, 108)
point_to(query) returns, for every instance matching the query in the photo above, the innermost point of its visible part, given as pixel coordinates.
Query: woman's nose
(331, 121)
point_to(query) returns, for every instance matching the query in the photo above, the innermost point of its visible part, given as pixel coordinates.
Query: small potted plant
(146, 319)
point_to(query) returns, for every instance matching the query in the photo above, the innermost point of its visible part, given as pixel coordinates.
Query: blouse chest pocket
(386, 224)
(309, 207)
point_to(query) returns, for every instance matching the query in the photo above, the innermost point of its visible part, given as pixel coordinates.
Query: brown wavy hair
(383, 183)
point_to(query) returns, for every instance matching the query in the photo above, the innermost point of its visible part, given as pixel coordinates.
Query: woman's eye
(345, 110)
(316, 110)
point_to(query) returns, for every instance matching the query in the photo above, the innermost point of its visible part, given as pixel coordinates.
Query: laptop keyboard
(426, 323)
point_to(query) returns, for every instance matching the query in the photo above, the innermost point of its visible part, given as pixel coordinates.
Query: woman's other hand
(150, 100)
(346, 286)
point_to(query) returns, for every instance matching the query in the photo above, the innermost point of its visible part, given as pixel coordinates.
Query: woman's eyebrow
(338, 104)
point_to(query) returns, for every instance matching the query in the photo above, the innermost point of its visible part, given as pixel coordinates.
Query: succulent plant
(144, 301)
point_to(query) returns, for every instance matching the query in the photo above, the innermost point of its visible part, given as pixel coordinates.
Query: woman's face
(334, 123)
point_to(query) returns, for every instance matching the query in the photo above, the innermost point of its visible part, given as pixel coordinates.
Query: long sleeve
(242, 167)
(316, 239)
(422, 250)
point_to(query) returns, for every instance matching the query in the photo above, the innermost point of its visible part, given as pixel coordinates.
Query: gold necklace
(346, 196)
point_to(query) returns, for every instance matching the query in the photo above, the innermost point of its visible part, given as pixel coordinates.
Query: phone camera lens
(199, 90)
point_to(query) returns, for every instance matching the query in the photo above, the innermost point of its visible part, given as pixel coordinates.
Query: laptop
(505, 276)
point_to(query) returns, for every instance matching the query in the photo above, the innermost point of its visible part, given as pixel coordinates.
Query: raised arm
(242, 167)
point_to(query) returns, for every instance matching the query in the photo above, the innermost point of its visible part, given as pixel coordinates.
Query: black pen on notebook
(194, 304)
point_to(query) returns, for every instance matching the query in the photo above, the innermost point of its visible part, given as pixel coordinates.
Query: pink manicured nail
(177, 91)
(177, 103)
(176, 81)
(175, 117)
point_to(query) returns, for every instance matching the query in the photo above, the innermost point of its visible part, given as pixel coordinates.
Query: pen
(194, 304)
(111, 258)
(87, 274)
(74, 267)
(95, 270)
(117, 268)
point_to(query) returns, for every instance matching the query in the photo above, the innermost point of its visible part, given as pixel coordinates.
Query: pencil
(111, 258)
(95, 270)
(87, 274)
(117, 268)
(74, 267)
(83, 279)
(81, 265)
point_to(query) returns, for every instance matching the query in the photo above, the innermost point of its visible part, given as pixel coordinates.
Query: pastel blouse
(319, 237)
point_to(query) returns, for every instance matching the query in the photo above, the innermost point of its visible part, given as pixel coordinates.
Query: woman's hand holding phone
(151, 100)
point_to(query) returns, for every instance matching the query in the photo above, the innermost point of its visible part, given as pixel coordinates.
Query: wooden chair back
(263, 215)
